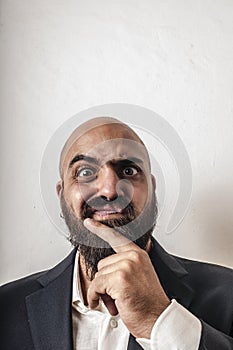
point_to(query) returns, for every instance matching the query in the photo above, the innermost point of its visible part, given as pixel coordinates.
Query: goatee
(91, 247)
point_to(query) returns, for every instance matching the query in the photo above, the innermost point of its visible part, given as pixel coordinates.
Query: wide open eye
(86, 173)
(130, 171)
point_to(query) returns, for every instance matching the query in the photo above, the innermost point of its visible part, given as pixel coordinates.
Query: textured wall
(59, 57)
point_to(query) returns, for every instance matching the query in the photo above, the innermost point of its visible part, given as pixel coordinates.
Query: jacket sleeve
(212, 339)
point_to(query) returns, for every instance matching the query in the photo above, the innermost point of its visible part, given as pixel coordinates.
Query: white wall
(59, 57)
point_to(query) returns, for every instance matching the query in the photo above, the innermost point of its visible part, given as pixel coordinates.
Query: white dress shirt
(175, 329)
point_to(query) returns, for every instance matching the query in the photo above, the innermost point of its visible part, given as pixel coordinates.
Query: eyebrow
(79, 157)
(89, 159)
(130, 160)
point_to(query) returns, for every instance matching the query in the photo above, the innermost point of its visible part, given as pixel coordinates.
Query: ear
(59, 187)
(153, 182)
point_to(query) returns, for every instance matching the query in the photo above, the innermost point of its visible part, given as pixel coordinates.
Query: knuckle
(135, 255)
(102, 263)
(128, 265)
(121, 276)
(144, 254)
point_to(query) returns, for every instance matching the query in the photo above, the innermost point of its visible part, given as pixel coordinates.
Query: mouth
(106, 212)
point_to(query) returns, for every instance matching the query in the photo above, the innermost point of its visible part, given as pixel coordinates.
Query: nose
(106, 184)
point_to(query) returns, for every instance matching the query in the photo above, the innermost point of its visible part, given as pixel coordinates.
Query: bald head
(108, 127)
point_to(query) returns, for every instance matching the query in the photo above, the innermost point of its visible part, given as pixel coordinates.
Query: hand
(127, 283)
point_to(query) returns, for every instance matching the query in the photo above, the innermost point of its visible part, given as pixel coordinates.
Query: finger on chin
(118, 242)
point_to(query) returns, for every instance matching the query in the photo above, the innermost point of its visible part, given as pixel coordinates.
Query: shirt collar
(77, 296)
(76, 280)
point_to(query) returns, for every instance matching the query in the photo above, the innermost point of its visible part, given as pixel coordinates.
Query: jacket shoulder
(12, 294)
(25, 283)
(212, 283)
(200, 270)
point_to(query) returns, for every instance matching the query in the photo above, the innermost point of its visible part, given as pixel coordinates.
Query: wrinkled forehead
(111, 150)
(105, 144)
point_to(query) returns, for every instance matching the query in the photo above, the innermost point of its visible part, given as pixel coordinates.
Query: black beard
(93, 248)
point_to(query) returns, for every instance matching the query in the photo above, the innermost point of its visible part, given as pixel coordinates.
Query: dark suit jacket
(36, 310)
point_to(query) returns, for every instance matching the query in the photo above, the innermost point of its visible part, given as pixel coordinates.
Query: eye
(130, 171)
(86, 172)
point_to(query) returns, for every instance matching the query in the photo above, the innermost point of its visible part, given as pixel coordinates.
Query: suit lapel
(49, 309)
(172, 276)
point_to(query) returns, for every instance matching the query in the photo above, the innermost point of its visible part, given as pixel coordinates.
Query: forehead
(105, 143)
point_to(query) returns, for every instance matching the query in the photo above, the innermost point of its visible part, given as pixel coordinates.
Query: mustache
(120, 204)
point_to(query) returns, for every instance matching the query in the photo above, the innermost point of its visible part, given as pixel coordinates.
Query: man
(118, 289)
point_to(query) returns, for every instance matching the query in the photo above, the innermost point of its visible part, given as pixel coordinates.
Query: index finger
(118, 242)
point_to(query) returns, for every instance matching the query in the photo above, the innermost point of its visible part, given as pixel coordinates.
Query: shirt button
(113, 323)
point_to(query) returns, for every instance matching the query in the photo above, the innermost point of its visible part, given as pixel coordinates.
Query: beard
(135, 227)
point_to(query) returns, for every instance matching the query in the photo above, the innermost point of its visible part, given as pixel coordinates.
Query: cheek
(141, 196)
(78, 195)
(75, 200)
